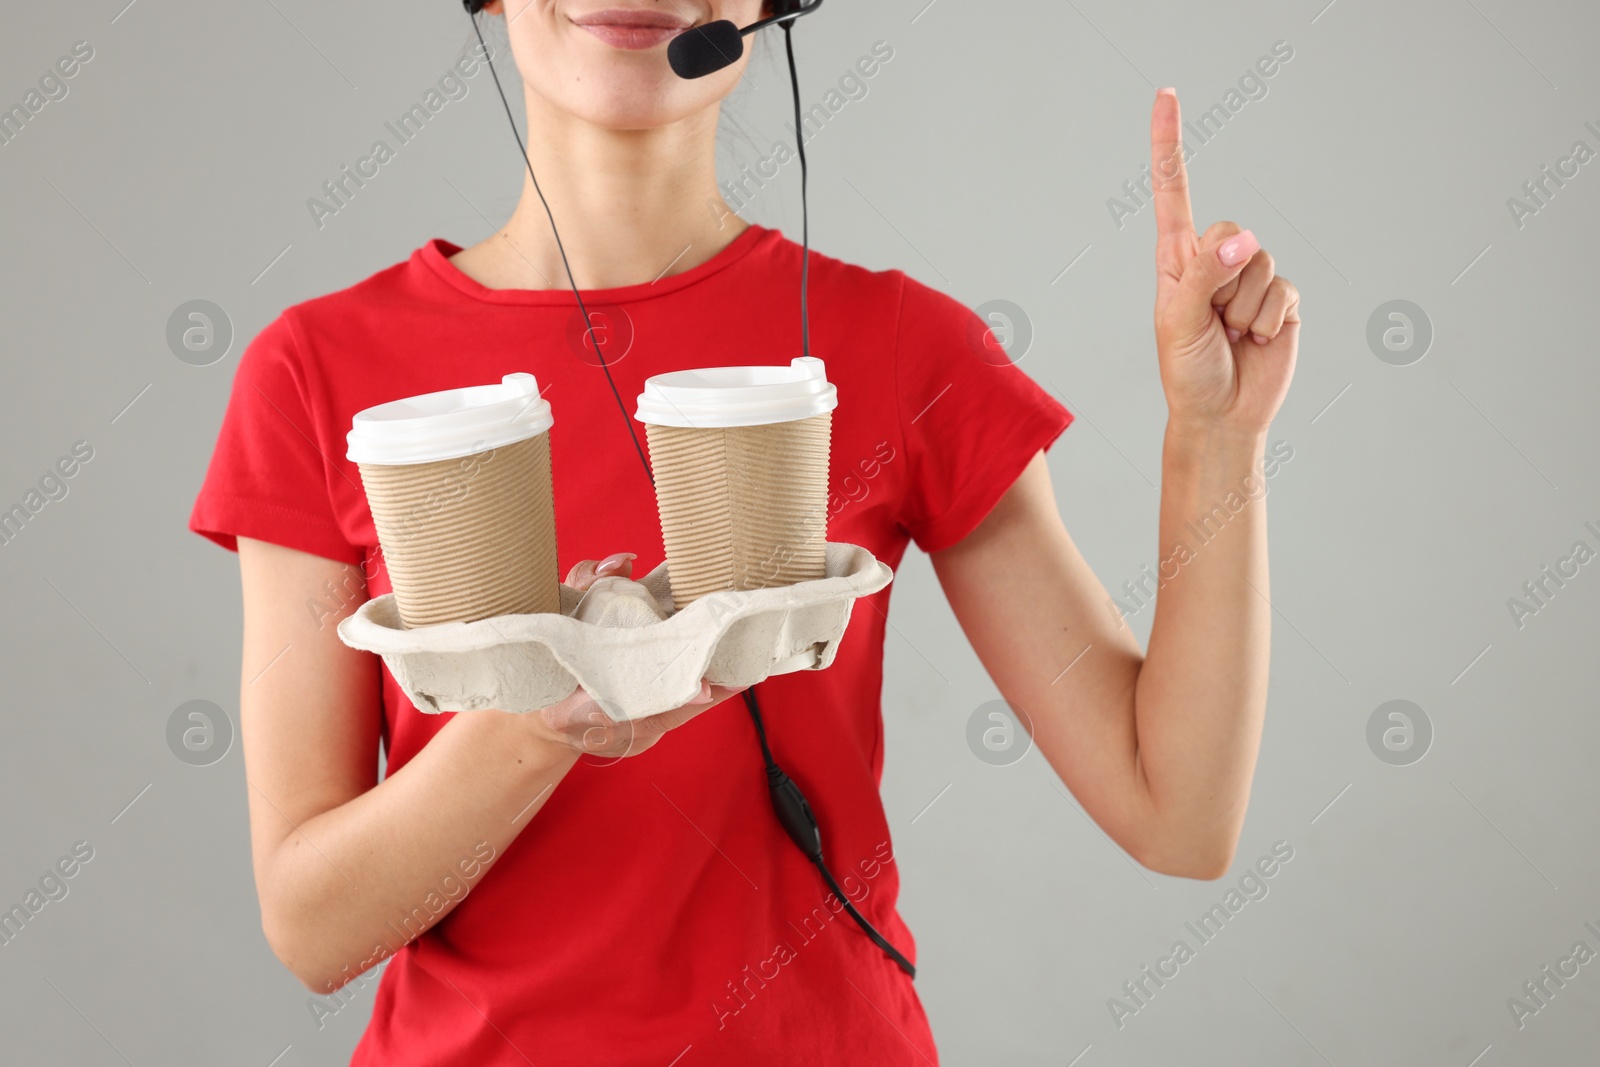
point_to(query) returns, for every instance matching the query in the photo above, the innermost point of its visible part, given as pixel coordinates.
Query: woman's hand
(581, 724)
(1227, 328)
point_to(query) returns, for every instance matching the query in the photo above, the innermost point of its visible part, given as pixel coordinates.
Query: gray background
(1418, 499)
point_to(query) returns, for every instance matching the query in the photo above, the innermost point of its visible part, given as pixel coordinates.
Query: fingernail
(613, 562)
(1233, 335)
(1258, 339)
(1238, 248)
(1167, 92)
(704, 696)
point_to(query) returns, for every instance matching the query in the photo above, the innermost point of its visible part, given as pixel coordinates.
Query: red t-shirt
(654, 912)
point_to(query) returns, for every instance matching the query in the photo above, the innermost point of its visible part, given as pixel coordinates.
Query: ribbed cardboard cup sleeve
(470, 538)
(742, 507)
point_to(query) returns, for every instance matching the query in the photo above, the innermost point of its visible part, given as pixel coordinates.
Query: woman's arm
(341, 861)
(1159, 749)
(349, 869)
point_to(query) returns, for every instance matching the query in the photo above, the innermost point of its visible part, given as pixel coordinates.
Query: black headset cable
(788, 802)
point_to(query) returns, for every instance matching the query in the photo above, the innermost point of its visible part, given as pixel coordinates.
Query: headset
(695, 53)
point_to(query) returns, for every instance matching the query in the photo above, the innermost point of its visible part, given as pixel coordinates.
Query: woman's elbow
(295, 945)
(1202, 861)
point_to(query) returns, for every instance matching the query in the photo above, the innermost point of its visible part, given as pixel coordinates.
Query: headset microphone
(694, 54)
(707, 49)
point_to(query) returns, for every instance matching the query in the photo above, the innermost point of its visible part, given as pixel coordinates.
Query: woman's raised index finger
(1169, 177)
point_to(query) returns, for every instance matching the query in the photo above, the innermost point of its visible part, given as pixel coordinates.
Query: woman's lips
(633, 30)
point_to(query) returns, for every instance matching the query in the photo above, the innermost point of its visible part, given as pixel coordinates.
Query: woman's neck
(632, 205)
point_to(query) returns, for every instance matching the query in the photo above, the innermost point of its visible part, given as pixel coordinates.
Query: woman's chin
(638, 103)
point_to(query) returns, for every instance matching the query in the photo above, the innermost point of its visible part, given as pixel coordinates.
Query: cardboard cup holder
(624, 642)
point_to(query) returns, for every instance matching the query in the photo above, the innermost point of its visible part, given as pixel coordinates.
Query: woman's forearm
(349, 887)
(1201, 693)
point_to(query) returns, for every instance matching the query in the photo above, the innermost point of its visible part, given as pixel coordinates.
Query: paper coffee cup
(740, 457)
(460, 490)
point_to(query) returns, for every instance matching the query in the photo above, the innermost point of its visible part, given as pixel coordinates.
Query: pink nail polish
(613, 562)
(1238, 248)
(1233, 335)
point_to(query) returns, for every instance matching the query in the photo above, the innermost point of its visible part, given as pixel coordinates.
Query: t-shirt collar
(435, 257)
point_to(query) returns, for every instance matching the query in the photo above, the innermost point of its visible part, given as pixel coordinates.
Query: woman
(539, 897)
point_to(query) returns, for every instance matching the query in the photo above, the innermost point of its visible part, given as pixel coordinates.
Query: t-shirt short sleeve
(268, 477)
(971, 418)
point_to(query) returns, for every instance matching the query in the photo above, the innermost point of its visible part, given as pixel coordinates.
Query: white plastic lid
(449, 424)
(738, 396)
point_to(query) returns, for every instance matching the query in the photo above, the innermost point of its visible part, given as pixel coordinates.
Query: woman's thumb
(590, 571)
(1213, 267)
